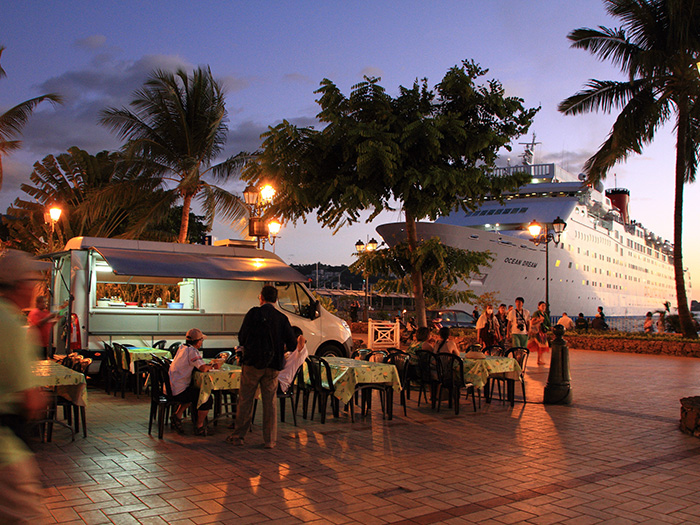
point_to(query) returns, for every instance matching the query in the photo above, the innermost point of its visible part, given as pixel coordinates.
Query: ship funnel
(620, 198)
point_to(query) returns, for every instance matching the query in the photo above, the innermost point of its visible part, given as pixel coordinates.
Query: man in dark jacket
(265, 336)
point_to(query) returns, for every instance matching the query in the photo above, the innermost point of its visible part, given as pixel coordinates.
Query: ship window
(483, 212)
(556, 264)
(570, 265)
(491, 212)
(506, 211)
(498, 211)
(523, 210)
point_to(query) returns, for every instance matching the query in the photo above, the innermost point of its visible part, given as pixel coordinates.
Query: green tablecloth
(347, 373)
(68, 383)
(142, 354)
(477, 371)
(227, 378)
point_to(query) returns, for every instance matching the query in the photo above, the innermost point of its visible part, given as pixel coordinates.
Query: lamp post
(361, 248)
(540, 237)
(558, 389)
(258, 200)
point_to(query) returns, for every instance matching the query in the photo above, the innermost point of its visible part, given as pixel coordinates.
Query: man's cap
(194, 334)
(17, 266)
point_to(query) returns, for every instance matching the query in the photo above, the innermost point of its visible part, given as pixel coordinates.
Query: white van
(141, 292)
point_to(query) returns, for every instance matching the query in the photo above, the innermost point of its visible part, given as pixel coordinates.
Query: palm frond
(12, 121)
(601, 95)
(217, 200)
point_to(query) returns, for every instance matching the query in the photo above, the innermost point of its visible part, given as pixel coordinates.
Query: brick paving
(615, 456)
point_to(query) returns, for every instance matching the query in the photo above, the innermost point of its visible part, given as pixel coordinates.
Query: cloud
(297, 78)
(371, 71)
(91, 42)
(231, 83)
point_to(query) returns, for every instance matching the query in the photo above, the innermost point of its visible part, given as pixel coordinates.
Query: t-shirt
(16, 354)
(186, 360)
(292, 362)
(566, 322)
(35, 317)
(515, 317)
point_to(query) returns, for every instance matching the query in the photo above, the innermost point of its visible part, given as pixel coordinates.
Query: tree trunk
(185, 221)
(416, 274)
(687, 325)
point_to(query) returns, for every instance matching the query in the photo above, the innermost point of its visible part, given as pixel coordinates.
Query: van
(140, 292)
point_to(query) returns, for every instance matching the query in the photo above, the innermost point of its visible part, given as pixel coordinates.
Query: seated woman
(421, 343)
(445, 343)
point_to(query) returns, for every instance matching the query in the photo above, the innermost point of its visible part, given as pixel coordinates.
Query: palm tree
(176, 130)
(76, 181)
(12, 121)
(658, 47)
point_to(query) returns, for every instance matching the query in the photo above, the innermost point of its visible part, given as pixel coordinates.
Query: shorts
(191, 395)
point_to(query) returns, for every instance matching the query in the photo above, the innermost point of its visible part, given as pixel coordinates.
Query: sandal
(200, 431)
(176, 424)
(235, 441)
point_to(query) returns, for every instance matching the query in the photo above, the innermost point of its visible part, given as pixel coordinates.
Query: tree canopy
(176, 130)
(427, 151)
(658, 48)
(79, 183)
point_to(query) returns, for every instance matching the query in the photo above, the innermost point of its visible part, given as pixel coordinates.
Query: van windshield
(294, 299)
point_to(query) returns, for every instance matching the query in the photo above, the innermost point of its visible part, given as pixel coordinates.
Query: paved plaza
(615, 456)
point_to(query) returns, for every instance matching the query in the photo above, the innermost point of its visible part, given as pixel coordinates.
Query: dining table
(347, 374)
(143, 353)
(66, 383)
(228, 377)
(478, 369)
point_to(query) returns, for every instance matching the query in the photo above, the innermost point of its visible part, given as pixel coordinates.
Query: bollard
(558, 389)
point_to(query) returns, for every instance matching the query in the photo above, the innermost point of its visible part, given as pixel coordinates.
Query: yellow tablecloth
(347, 373)
(227, 378)
(68, 383)
(142, 354)
(477, 371)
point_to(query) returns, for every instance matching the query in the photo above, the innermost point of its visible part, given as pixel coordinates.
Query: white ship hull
(602, 259)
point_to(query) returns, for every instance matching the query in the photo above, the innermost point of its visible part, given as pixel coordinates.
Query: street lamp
(51, 216)
(258, 200)
(558, 388)
(540, 237)
(362, 248)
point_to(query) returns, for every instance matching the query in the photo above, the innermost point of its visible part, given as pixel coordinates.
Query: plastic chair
(360, 354)
(427, 375)
(494, 350)
(173, 348)
(159, 344)
(161, 396)
(400, 361)
(377, 356)
(450, 371)
(323, 387)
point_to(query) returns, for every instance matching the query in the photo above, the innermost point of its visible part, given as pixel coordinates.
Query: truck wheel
(330, 350)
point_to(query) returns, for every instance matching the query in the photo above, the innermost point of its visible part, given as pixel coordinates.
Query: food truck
(140, 292)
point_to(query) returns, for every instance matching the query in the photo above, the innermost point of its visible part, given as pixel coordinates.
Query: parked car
(451, 319)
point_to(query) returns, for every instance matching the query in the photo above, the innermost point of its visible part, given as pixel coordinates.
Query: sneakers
(235, 441)
(176, 424)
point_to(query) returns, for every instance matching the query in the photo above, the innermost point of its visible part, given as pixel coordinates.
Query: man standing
(518, 323)
(42, 320)
(265, 336)
(20, 490)
(502, 317)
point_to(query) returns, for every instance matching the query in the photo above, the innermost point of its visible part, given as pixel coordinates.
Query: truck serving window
(293, 298)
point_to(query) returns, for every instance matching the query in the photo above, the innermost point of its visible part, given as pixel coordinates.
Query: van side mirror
(314, 310)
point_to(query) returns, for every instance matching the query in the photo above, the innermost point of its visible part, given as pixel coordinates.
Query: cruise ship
(603, 258)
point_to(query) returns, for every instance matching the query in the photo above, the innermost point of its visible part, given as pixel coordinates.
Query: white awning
(198, 266)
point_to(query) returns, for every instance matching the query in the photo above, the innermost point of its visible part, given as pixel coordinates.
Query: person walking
(502, 316)
(265, 335)
(518, 323)
(20, 488)
(487, 328)
(537, 335)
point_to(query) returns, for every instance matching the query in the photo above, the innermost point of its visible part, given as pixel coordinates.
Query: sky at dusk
(271, 57)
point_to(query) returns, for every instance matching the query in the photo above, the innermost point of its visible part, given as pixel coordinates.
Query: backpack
(259, 348)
